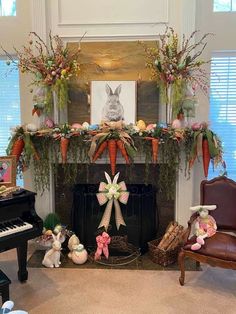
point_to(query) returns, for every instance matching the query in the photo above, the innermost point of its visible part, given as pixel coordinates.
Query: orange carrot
(100, 150)
(64, 147)
(17, 148)
(205, 156)
(191, 161)
(120, 144)
(155, 143)
(112, 149)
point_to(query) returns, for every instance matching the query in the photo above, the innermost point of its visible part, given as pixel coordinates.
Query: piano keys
(19, 223)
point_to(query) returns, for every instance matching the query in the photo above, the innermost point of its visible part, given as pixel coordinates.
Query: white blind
(223, 105)
(9, 103)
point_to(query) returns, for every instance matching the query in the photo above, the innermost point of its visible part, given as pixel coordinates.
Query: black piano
(18, 224)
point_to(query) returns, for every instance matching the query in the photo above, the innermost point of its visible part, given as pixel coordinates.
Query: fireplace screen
(140, 215)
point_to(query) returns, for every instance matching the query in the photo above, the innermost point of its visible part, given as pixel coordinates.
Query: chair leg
(182, 267)
(198, 265)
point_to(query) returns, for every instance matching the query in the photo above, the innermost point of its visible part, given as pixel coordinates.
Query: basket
(162, 257)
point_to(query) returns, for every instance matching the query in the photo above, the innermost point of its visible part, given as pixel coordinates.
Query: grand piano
(19, 223)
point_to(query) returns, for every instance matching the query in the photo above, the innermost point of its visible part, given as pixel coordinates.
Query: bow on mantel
(112, 192)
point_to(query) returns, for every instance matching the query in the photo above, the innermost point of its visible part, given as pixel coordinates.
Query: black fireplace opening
(140, 215)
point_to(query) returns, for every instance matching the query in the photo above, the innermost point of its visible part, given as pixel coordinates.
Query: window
(9, 105)
(7, 7)
(224, 5)
(223, 106)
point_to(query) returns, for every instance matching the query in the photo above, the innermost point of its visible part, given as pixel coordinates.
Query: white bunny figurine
(52, 257)
(113, 109)
(7, 308)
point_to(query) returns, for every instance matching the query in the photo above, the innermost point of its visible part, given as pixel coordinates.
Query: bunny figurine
(52, 257)
(72, 244)
(113, 110)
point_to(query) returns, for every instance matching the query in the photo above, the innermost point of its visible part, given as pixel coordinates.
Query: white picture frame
(113, 101)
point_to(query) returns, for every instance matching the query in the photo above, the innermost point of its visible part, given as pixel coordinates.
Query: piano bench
(4, 286)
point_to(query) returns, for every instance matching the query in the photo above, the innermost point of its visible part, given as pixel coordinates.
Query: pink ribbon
(102, 245)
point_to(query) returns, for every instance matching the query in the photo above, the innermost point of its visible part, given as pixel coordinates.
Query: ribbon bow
(112, 192)
(102, 245)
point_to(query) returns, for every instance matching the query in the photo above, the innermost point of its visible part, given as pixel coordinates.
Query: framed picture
(113, 101)
(8, 171)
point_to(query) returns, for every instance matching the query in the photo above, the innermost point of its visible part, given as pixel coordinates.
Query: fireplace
(135, 174)
(140, 215)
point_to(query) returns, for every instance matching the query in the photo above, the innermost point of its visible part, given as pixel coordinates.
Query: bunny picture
(113, 109)
(113, 101)
(52, 257)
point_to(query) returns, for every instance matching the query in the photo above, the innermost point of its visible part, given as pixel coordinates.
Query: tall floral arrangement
(175, 65)
(52, 67)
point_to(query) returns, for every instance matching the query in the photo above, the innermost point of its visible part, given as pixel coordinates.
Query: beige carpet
(95, 291)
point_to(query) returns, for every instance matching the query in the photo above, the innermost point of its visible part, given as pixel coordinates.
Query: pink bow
(102, 245)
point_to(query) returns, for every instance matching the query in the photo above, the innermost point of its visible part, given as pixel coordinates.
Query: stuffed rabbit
(7, 308)
(52, 257)
(113, 110)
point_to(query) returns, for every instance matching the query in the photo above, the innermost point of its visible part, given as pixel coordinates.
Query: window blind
(7, 7)
(224, 5)
(223, 106)
(9, 103)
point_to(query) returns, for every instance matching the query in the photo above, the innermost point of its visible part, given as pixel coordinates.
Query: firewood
(166, 236)
(177, 240)
(171, 237)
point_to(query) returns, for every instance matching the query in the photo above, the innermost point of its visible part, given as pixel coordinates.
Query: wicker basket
(162, 257)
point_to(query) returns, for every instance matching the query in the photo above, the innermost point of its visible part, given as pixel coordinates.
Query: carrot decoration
(205, 156)
(100, 150)
(17, 148)
(112, 149)
(155, 143)
(191, 161)
(120, 144)
(64, 147)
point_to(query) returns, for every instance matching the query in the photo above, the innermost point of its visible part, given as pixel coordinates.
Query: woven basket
(162, 257)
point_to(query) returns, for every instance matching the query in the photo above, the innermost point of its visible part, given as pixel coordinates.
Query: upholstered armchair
(220, 249)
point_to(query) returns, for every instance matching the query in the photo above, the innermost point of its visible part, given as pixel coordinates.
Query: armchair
(220, 249)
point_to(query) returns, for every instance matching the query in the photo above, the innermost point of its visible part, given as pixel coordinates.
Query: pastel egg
(93, 127)
(150, 126)
(49, 123)
(141, 125)
(76, 126)
(176, 124)
(85, 125)
(31, 127)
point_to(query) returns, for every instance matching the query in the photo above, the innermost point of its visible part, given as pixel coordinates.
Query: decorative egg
(150, 126)
(57, 229)
(85, 125)
(49, 123)
(76, 126)
(196, 126)
(93, 127)
(79, 255)
(141, 125)
(31, 127)
(48, 232)
(176, 124)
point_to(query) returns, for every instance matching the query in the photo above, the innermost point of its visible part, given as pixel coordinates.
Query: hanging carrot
(205, 156)
(112, 149)
(191, 161)
(64, 147)
(120, 144)
(17, 148)
(155, 143)
(100, 150)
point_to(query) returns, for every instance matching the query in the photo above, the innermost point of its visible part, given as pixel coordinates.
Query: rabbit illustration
(113, 110)
(52, 257)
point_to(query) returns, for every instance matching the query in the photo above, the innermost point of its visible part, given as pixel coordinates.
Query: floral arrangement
(175, 64)
(52, 67)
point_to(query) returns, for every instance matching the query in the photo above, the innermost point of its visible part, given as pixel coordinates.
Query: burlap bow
(112, 192)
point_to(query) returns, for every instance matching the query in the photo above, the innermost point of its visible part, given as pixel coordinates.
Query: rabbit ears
(57, 237)
(109, 181)
(110, 92)
(200, 207)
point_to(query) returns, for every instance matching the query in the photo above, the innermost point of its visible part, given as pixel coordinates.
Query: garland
(161, 144)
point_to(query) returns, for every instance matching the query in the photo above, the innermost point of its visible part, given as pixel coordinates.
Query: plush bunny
(7, 308)
(205, 225)
(52, 257)
(72, 244)
(113, 109)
